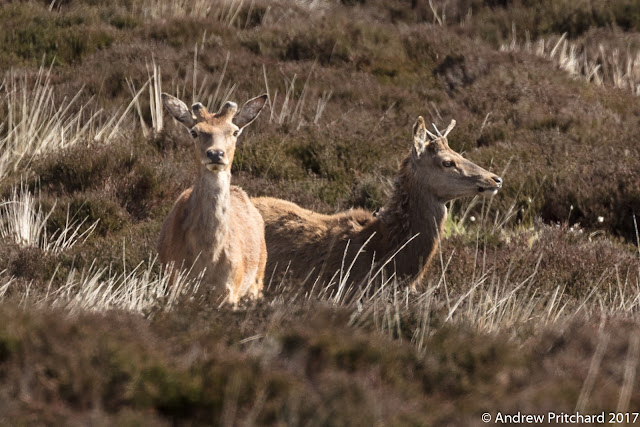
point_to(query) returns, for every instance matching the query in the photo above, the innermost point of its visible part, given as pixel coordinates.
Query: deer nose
(216, 156)
(497, 180)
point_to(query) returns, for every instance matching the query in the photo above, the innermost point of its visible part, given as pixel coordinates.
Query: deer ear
(178, 110)
(250, 111)
(419, 136)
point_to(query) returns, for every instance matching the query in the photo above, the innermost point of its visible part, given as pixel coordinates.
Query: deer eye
(448, 163)
(193, 133)
(236, 133)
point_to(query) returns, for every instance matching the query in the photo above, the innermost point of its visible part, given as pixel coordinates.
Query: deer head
(445, 173)
(215, 135)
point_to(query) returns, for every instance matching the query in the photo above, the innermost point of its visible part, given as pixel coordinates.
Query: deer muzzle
(216, 160)
(495, 185)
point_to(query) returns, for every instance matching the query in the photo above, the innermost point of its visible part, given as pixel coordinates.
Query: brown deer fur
(213, 225)
(318, 248)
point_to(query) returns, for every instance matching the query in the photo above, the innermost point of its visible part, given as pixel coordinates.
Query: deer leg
(258, 282)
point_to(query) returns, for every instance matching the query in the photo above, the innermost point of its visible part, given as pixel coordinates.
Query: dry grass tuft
(601, 66)
(24, 223)
(141, 290)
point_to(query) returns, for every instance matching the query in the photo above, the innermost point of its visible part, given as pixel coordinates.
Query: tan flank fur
(313, 245)
(213, 225)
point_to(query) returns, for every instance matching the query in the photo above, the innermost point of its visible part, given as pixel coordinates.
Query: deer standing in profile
(213, 225)
(312, 245)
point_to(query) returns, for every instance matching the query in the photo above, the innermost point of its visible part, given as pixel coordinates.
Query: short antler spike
(432, 136)
(437, 131)
(200, 111)
(449, 128)
(228, 110)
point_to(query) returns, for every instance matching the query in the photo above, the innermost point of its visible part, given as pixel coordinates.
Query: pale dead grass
(37, 122)
(602, 66)
(24, 221)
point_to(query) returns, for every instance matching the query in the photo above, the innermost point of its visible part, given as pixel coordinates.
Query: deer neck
(210, 205)
(413, 211)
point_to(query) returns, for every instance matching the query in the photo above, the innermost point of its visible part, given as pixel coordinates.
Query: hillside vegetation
(532, 303)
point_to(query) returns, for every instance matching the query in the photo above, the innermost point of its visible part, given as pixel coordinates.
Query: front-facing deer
(213, 226)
